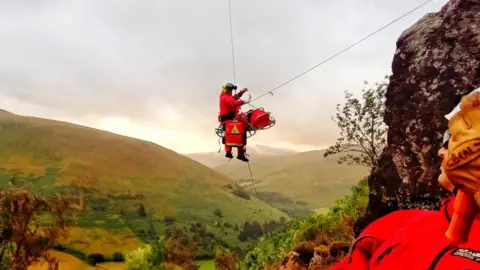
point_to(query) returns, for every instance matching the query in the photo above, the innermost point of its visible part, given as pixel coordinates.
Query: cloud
(160, 64)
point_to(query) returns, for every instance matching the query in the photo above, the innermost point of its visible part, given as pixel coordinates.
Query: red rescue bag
(260, 119)
(234, 133)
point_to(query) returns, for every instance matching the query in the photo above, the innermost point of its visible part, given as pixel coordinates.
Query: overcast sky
(154, 69)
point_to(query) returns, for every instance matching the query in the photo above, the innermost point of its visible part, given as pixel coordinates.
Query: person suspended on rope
(424, 239)
(229, 108)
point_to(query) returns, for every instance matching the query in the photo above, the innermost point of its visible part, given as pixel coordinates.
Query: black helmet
(229, 87)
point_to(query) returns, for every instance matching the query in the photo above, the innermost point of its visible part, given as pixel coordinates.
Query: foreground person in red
(415, 239)
(229, 108)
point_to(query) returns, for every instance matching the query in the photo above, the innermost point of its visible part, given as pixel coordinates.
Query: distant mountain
(214, 159)
(305, 178)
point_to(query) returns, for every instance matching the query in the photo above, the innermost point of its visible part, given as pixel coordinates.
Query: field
(132, 190)
(67, 261)
(207, 265)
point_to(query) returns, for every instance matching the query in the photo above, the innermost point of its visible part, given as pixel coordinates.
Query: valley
(298, 183)
(131, 191)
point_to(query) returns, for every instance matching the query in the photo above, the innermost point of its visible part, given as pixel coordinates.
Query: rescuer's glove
(462, 164)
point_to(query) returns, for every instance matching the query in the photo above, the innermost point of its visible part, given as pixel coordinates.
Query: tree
(82, 184)
(226, 260)
(181, 250)
(141, 210)
(362, 130)
(30, 224)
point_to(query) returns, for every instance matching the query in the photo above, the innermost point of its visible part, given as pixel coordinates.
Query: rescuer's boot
(241, 154)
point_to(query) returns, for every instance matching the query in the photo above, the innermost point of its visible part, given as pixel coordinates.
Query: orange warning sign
(235, 130)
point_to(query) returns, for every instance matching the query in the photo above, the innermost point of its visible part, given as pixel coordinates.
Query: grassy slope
(306, 176)
(52, 155)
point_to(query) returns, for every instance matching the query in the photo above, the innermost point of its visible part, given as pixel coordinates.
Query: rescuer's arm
(232, 102)
(240, 94)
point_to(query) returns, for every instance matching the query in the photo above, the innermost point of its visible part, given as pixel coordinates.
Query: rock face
(436, 62)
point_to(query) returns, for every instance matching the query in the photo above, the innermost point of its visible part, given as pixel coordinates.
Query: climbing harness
(344, 50)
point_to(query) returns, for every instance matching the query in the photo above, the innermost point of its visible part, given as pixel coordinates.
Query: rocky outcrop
(436, 62)
(319, 258)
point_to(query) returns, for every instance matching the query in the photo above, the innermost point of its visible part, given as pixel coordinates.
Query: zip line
(310, 69)
(231, 40)
(342, 51)
(233, 68)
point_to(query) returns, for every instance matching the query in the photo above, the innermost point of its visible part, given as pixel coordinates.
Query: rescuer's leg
(242, 149)
(241, 153)
(228, 151)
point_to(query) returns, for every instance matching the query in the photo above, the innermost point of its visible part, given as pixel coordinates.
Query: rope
(231, 40)
(342, 51)
(251, 177)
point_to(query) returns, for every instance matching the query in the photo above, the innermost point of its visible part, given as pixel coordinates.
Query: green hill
(305, 179)
(134, 190)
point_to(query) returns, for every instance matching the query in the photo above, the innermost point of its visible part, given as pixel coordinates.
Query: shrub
(139, 259)
(141, 210)
(251, 230)
(217, 212)
(305, 251)
(118, 257)
(22, 214)
(241, 192)
(225, 260)
(169, 220)
(158, 252)
(181, 250)
(5, 262)
(95, 258)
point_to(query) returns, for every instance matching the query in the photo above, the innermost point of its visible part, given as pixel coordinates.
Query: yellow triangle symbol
(235, 130)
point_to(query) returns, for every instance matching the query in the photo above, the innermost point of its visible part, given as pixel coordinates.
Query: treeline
(255, 230)
(325, 236)
(293, 208)
(207, 241)
(179, 250)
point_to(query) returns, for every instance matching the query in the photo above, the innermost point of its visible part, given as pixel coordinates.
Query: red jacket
(413, 239)
(229, 103)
